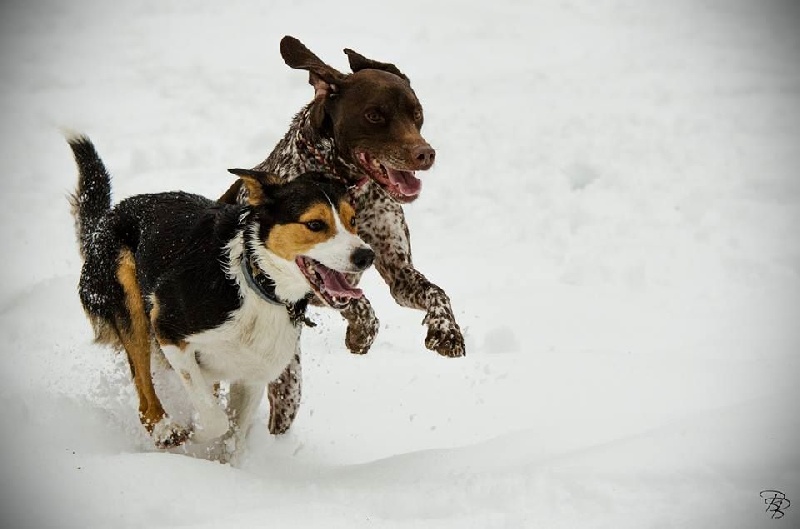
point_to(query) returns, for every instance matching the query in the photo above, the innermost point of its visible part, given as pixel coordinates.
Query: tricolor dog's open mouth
(330, 285)
(401, 184)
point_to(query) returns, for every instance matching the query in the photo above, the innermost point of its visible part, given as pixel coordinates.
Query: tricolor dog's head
(373, 116)
(306, 235)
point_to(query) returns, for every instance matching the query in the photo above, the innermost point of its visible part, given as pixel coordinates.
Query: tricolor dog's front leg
(211, 420)
(382, 225)
(243, 401)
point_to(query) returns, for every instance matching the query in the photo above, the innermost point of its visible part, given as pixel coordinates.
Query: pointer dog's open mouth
(401, 184)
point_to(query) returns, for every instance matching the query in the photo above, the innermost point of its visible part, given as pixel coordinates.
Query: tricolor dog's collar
(264, 286)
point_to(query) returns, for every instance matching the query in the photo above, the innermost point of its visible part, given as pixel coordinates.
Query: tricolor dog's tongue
(406, 182)
(336, 284)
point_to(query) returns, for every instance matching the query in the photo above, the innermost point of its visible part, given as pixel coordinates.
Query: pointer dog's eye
(373, 116)
(316, 225)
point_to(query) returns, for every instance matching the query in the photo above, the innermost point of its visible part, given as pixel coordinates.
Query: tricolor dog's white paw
(210, 425)
(232, 450)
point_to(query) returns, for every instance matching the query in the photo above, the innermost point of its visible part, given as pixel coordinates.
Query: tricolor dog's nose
(424, 156)
(362, 258)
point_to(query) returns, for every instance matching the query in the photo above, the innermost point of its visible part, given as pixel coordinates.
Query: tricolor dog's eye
(316, 225)
(353, 222)
(373, 116)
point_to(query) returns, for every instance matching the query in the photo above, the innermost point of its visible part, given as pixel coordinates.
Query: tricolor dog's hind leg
(109, 290)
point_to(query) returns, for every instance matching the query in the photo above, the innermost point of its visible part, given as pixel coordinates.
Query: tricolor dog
(220, 289)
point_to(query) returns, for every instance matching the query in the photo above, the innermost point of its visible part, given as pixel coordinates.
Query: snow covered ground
(613, 212)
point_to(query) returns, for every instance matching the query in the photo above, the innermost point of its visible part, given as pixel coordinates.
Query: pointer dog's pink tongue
(406, 182)
(400, 183)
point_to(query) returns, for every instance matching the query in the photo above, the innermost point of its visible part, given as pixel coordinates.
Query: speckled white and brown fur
(313, 144)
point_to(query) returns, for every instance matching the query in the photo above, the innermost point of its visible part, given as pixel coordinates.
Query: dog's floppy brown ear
(255, 181)
(325, 79)
(359, 62)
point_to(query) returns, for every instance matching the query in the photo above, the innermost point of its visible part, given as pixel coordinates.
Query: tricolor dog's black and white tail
(91, 200)
(100, 292)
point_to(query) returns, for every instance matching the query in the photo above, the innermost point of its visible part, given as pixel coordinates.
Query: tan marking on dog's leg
(135, 337)
(155, 312)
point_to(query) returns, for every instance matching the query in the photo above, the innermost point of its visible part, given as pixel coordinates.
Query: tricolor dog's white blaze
(336, 253)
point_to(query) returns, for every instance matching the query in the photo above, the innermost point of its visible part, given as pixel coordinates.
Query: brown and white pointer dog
(363, 127)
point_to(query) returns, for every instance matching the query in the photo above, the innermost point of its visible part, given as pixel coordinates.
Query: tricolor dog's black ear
(359, 62)
(256, 183)
(324, 78)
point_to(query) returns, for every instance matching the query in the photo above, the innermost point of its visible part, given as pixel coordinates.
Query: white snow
(613, 212)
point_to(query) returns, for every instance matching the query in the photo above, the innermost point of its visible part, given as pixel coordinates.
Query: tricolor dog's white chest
(256, 343)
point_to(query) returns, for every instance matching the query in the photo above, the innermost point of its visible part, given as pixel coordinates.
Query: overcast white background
(613, 212)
